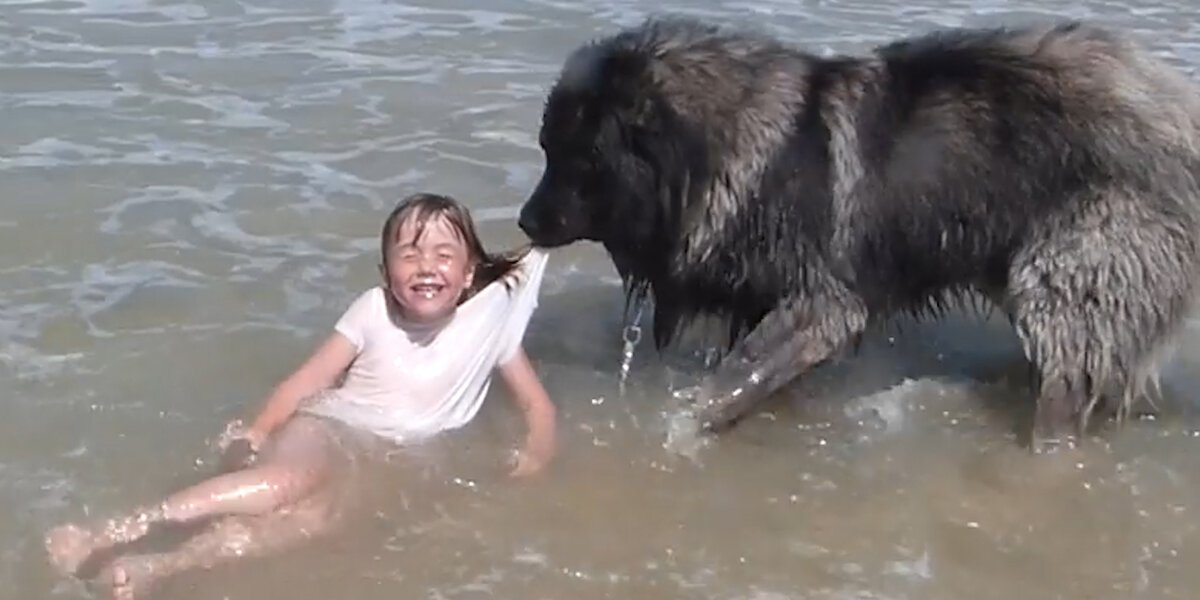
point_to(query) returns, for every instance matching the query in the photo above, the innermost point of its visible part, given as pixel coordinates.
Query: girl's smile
(428, 269)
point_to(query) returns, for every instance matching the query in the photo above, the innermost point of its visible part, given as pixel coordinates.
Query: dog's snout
(528, 223)
(547, 218)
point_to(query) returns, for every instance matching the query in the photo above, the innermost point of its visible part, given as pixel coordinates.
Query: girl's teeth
(426, 291)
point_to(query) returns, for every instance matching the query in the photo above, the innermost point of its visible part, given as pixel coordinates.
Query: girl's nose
(428, 262)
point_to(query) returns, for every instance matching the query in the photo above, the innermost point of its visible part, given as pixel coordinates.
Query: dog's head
(653, 138)
(619, 151)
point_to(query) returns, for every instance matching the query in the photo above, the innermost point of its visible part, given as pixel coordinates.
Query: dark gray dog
(1052, 170)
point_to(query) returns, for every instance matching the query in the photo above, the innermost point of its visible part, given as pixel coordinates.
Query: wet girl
(415, 356)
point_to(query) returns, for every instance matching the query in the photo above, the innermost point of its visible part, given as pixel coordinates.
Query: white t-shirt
(411, 381)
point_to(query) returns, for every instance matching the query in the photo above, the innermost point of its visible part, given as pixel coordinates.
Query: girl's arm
(529, 395)
(320, 371)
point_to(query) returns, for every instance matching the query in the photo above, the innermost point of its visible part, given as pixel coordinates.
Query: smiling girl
(415, 356)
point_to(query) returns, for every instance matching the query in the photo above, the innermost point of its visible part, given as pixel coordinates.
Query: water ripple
(191, 193)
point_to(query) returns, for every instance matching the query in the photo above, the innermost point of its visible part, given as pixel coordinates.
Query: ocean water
(190, 194)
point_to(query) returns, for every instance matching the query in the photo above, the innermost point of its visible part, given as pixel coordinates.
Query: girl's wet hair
(424, 207)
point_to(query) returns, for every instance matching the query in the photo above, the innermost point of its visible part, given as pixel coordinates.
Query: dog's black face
(603, 144)
(580, 192)
(568, 203)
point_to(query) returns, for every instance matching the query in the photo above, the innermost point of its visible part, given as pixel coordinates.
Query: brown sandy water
(191, 193)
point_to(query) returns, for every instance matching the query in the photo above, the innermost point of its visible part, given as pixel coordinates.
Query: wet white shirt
(411, 381)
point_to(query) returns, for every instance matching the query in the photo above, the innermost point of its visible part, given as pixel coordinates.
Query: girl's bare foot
(69, 546)
(127, 576)
(122, 584)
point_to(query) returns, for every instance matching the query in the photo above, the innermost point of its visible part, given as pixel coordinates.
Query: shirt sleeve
(356, 321)
(515, 333)
(527, 292)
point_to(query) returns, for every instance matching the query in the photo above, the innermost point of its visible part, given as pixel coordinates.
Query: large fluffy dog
(1052, 170)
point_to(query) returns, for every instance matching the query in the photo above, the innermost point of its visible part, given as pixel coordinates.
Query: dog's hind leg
(1082, 367)
(1095, 301)
(790, 340)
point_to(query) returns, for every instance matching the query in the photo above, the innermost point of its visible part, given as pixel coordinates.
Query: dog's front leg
(790, 340)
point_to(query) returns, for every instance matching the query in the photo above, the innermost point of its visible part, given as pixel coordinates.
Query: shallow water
(191, 193)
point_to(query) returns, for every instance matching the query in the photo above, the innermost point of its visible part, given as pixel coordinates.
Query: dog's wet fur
(1049, 169)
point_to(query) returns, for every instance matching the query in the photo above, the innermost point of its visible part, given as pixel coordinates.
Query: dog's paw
(686, 397)
(685, 434)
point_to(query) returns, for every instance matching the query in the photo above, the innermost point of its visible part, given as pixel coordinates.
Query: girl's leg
(226, 539)
(294, 463)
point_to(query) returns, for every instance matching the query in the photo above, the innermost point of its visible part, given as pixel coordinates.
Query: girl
(416, 354)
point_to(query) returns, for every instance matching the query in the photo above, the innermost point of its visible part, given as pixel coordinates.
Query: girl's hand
(238, 455)
(239, 446)
(533, 458)
(236, 430)
(527, 463)
(527, 391)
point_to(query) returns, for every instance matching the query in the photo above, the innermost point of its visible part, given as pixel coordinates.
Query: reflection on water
(191, 193)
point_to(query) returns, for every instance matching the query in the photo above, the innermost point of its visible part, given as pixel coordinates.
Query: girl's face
(427, 275)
